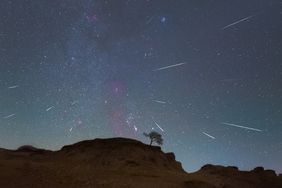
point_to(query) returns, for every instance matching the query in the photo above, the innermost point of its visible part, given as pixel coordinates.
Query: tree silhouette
(154, 137)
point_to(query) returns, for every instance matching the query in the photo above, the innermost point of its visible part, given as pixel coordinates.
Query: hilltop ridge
(118, 162)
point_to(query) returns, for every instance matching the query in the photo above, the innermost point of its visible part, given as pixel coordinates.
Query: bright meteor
(48, 109)
(242, 127)
(9, 116)
(237, 22)
(159, 126)
(170, 66)
(158, 101)
(14, 87)
(208, 135)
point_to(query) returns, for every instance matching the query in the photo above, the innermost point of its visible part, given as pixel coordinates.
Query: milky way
(82, 69)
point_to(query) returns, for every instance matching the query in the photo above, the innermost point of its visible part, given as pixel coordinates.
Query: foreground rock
(118, 162)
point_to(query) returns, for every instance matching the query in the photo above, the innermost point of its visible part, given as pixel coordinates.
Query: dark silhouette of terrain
(118, 162)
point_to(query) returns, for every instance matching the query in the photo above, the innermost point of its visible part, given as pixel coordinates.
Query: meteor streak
(13, 87)
(159, 126)
(170, 66)
(242, 127)
(208, 135)
(48, 109)
(9, 116)
(237, 22)
(158, 101)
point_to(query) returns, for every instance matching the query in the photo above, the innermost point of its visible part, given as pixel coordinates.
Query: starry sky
(206, 74)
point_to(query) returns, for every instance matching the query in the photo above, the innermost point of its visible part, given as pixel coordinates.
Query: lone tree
(155, 137)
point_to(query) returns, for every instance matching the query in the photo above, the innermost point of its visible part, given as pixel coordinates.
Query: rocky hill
(118, 162)
(231, 177)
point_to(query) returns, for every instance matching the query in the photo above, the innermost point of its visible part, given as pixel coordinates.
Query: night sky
(205, 74)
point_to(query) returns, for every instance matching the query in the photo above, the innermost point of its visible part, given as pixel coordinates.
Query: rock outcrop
(232, 177)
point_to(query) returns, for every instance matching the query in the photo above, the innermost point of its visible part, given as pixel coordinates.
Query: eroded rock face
(260, 171)
(170, 156)
(231, 177)
(120, 153)
(219, 170)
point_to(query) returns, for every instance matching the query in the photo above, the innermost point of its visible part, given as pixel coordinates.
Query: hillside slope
(118, 162)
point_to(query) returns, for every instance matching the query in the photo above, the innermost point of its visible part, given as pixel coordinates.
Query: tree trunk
(151, 142)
